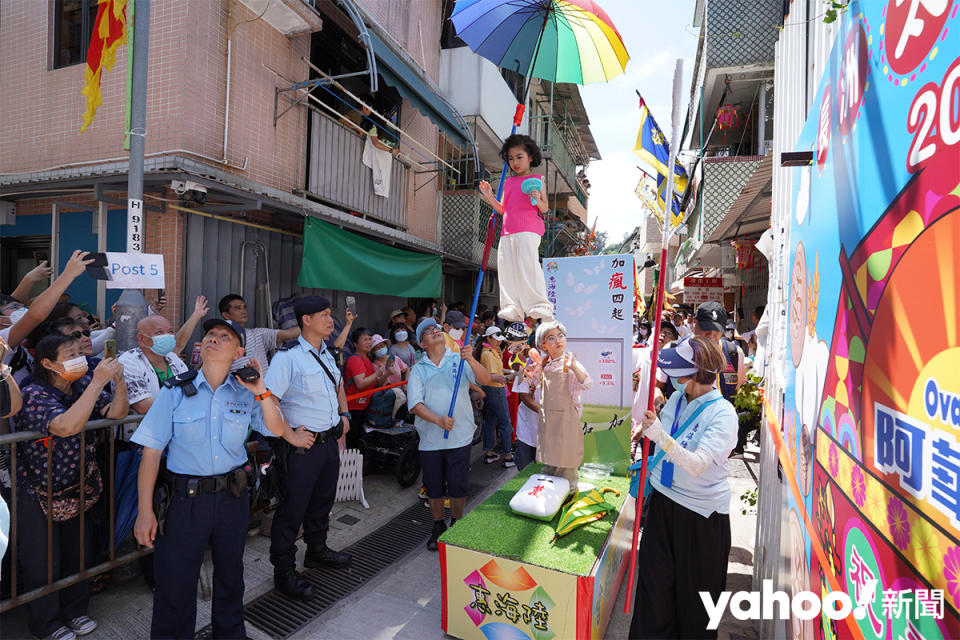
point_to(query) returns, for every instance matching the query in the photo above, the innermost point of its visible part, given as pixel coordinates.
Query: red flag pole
(661, 291)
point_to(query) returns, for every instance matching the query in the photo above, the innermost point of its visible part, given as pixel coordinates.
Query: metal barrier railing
(86, 573)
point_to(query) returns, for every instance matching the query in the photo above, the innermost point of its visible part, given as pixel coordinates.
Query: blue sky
(654, 38)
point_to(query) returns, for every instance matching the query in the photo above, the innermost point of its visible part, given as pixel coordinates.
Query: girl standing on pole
(686, 538)
(523, 292)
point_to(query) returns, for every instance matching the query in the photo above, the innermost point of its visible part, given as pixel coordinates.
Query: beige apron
(559, 432)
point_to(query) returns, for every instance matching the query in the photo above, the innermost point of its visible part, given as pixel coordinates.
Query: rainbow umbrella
(568, 41)
(557, 40)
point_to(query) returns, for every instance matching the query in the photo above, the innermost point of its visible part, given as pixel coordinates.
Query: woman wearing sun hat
(686, 539)
(496, 412)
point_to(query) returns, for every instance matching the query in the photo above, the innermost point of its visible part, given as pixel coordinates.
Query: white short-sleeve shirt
(142, 381)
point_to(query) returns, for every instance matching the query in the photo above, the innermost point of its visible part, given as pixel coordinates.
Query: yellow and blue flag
(653, 148)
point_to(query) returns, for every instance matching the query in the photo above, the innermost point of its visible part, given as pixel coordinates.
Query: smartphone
(390, 361)
(110, 349)
(98, 268)
(352, 305)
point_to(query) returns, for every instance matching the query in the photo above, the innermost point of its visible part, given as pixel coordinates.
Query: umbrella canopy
(570, 41)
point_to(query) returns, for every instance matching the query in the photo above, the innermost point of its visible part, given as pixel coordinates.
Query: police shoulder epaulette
(289, 344)
(184, 381)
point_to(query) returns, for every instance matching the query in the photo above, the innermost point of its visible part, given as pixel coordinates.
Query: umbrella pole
(491, 223)
(661, 289)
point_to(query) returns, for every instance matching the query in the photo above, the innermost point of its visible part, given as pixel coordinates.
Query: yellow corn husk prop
(588, 506)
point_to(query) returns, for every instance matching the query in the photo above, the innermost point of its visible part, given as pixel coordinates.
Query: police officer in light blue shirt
(445, 461)
(686, 538)
(201, 419)
(306, 380)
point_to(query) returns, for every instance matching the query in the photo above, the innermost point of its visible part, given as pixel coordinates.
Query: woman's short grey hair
(546, 327)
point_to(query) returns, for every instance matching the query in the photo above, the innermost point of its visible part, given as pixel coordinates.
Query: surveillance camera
(196, 187)
(199, 196)
(179, 187)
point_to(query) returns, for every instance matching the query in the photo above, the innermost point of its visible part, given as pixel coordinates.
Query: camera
(247, 374)
(196, 191)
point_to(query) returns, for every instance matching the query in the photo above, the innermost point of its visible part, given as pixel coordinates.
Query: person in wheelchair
(385, 405)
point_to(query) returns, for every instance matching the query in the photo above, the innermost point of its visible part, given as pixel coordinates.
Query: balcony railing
(555, 147)
(338, 175)
(464, 225)
(723, 180)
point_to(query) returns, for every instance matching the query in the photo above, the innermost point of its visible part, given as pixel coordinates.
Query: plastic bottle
(131, 309)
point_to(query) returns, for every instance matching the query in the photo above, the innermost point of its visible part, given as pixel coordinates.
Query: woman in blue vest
(686, 540)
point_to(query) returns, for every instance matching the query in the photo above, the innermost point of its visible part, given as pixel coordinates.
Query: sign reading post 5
(135, 271)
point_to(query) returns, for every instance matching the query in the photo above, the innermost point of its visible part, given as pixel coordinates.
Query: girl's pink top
(518, 214)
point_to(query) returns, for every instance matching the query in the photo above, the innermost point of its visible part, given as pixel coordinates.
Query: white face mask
(456, 334)
(643, 332)
(17, 315)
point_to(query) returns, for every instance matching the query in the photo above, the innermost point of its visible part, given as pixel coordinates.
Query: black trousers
(681, 553)
(309, 489)
(218, 520)
(49, 613)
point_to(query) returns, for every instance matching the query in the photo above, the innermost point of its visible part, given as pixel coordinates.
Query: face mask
(456, 334)
(163, 344)
(676, 385)
(73, 369)
(17, 315)
(380, 353)
(643, 332)
(730, 334)
(400, 336)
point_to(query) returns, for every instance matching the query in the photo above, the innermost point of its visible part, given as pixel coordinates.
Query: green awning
(402, 77)
(334, 258)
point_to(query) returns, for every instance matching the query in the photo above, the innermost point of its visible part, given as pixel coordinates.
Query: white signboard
(135, 271)
(593, 298)
(699, 290)
(134, 226)
(604, 360)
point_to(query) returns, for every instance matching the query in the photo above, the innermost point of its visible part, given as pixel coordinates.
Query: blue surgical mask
(676, 385)
(163, 344)
(400, 336)
(381, 353)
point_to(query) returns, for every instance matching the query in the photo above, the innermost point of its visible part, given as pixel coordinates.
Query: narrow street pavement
(403, 601)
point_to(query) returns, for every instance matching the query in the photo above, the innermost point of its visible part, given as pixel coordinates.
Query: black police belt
(235, 480)
(333, 433)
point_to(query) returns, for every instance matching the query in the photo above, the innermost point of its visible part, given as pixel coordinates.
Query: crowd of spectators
(61, 371)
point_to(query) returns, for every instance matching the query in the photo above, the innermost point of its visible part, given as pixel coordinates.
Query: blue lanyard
(666, 472)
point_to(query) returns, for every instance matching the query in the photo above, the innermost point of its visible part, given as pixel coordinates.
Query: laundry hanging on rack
(380, 162)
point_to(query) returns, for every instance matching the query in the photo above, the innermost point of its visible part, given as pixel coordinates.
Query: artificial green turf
(492, 528)
(597, 413)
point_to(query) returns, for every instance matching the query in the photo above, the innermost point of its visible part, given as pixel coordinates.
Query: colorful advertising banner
(593, 298)
(872, 403)
(489, 598)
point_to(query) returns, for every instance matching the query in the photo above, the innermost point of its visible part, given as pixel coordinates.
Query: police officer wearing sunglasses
(202, 419)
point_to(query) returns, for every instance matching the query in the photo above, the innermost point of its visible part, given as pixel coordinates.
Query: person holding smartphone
(260, 340)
